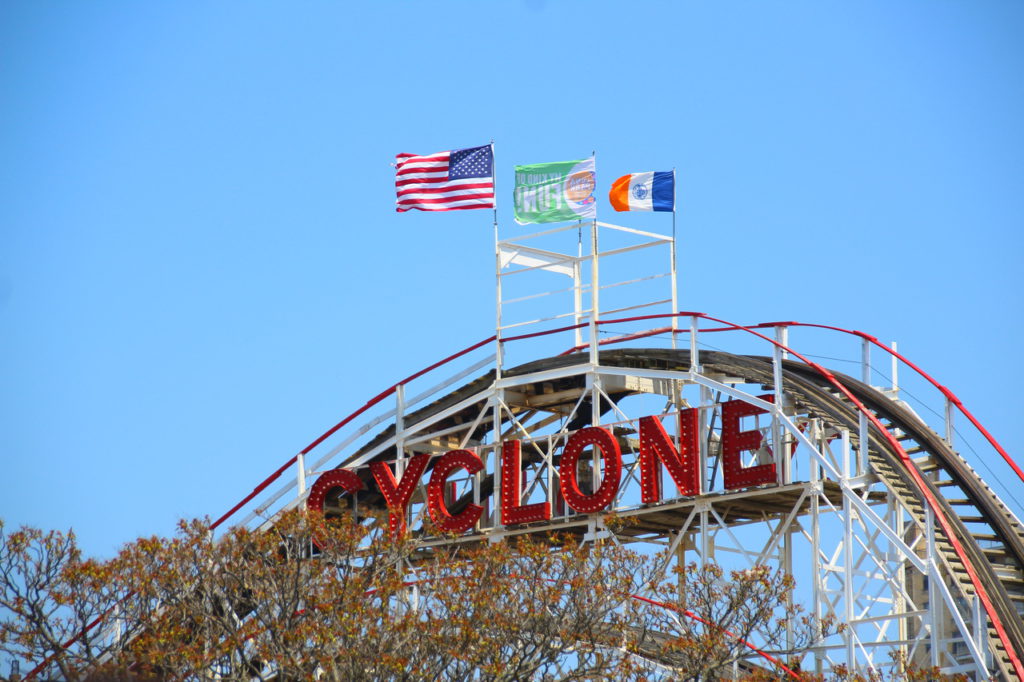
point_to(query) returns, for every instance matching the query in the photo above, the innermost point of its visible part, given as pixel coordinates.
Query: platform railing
(658, 328)
(345, 433)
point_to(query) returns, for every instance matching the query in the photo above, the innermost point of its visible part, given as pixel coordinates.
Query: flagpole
(675, 294)
(578, 278)
(673, 205)
(595, 396)
(594, 301)
(498, 352)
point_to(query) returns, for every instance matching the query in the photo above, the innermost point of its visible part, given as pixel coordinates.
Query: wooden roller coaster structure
(882, 519)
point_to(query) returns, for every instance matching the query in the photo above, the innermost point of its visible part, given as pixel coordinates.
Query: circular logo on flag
(640, 191)
(579, 187)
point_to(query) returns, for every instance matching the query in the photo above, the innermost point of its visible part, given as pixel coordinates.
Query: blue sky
(201, 268)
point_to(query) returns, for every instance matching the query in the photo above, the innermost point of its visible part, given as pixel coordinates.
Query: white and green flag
(553, 192)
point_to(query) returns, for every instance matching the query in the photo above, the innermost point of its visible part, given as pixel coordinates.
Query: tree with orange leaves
(336, 599)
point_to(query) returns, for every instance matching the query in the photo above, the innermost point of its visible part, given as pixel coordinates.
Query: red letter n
(683, 467)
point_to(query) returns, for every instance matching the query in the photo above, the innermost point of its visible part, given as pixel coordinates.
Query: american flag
(445, 181)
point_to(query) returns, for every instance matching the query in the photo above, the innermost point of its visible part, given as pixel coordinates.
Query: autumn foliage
(333, 599)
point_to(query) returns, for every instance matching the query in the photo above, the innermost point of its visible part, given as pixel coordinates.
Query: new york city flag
(652, 191)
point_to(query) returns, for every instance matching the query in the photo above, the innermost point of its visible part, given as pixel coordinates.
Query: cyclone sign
(657, 451)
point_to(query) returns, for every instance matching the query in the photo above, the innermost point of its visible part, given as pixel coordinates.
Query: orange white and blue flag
(445, 181)
(651, 191)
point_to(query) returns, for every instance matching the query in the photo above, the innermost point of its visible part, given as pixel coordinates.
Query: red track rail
(940, 516)
(686, 613)
(923, 490)
(730, 327)
(1015, 657)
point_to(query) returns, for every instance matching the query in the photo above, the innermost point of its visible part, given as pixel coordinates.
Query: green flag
(553, 192)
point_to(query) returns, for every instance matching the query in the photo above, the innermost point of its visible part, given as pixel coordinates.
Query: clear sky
(201, 267)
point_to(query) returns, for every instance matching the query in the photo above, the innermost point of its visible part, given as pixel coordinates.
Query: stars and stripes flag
(445, 181)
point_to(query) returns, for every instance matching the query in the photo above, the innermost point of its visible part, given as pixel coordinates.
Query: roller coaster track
(959, 524)
(981, 545)
(991, 536)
